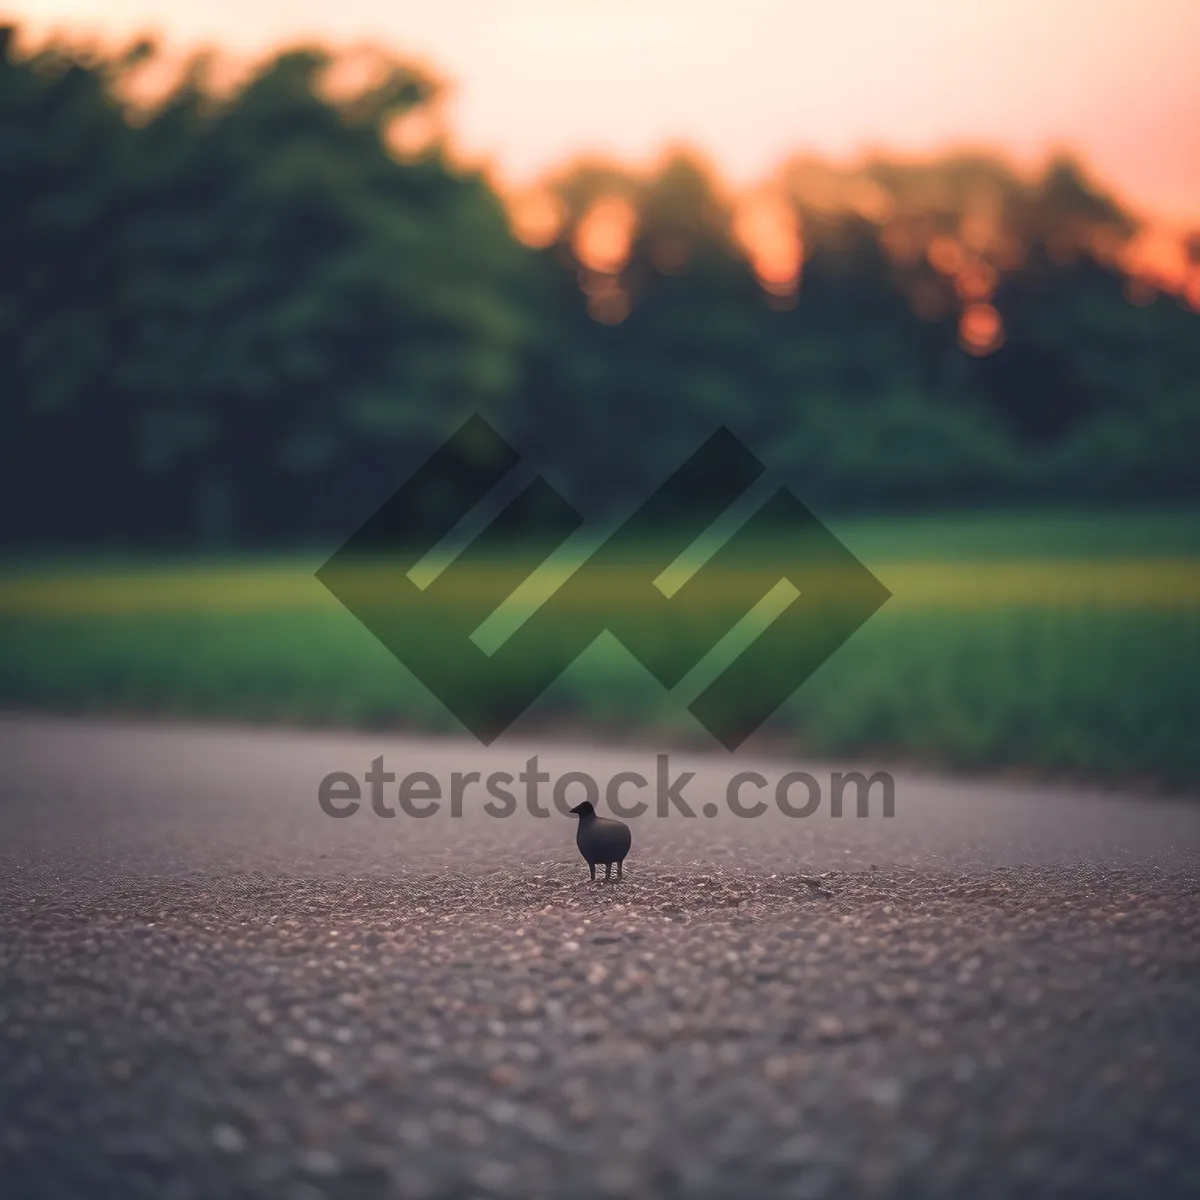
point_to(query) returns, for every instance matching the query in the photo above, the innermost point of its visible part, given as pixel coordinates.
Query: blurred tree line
(226, 318)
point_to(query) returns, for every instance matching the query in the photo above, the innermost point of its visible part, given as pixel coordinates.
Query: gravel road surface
(209, 987)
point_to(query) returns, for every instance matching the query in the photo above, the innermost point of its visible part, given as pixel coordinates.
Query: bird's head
(586, 809)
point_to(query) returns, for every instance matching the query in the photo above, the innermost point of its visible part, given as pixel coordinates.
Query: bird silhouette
(601, 840)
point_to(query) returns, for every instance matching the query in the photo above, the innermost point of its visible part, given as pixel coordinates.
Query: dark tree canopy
(223, 320)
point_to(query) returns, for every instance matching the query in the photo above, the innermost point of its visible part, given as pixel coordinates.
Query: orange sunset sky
(536, 82)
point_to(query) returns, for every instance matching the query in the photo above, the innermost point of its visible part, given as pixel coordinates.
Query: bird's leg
(592, 868)
(607, 872)
(620, 873)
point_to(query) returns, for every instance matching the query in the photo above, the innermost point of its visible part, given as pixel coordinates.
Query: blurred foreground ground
(212, 988)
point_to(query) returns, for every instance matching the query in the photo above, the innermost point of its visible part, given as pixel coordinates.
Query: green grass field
(1066, 645)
